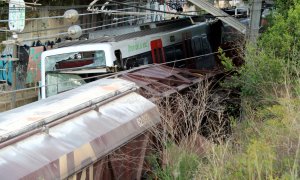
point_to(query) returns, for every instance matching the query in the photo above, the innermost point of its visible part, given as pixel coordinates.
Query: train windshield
(75, 60)
(65, 71)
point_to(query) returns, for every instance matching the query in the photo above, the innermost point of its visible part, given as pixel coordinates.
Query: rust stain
(109, 87)
(34, 118)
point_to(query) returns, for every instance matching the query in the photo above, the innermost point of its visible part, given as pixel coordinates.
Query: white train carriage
(151, 43)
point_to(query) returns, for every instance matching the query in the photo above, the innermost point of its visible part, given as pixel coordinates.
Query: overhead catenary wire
(114, 74)
(66, 33)
(134, 19)
(158, 11)
(61, 16)
(86, 29)
(57, 17)
(149, 9)
(65, 7)
(63, 27)
(115, 12)
(49, 17)
(16, 3)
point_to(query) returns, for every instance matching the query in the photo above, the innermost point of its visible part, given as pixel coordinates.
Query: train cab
(65, 68)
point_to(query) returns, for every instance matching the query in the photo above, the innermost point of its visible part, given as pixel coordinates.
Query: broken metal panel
(160, 80)
(80, 141)
(208, 7)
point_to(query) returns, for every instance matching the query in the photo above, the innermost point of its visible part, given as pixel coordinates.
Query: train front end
(66, 68)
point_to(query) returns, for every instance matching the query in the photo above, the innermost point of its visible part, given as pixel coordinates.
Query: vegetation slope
(264, 142)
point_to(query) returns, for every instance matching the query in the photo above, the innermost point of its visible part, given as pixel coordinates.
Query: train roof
(76, 48)
(158, 28)
(88, 122)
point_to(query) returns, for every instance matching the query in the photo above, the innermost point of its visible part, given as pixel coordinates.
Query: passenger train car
(64, 67)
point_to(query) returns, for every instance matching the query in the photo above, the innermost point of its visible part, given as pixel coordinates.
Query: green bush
(181, 164)
(266, 145)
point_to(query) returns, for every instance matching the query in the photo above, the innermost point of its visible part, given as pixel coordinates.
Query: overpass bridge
(231, 21)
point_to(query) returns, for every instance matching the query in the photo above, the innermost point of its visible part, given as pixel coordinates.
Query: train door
(201, 46)
(187, 44)
(157, 51)
(119, 60)
(187, 49)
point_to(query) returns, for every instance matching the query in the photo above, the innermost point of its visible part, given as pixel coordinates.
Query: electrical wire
(57, 17)
(65, 33)
(63, 27)
(45, 17)
(66, 7)
(153, 10)
(115, 12)
(134, 19)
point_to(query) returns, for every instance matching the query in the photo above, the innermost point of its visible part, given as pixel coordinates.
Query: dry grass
(264, 145)
(191, 122)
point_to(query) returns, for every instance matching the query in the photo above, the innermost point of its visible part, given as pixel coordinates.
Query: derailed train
(102, 115)
(160, 42)
(69, 136)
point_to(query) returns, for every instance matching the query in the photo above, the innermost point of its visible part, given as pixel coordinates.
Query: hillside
(264, 141)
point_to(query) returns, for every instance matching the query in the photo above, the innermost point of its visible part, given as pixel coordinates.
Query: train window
(206, 45)
(196, 45)
(119, 60)
(81, 59)
(187, 48)
(200, 45)
(172, 38)
(156, 60)
(145, 27)
(141, 60)
(147, 58)
(161, 58)
(170, 53)
(99, 58)
(207, 61)
(131, 62)
(178, 54)
(144, 61)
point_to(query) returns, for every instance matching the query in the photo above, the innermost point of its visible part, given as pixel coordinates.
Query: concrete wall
(20, 98)
(45, 27)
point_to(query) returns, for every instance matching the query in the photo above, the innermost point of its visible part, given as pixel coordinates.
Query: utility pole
(255, 15)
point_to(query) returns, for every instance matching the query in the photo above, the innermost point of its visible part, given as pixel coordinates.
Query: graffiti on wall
(176, 4)
(5, 65)
(173, 4)
(34, 65)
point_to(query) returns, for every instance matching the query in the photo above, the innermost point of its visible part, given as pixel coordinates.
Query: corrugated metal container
(59, 136)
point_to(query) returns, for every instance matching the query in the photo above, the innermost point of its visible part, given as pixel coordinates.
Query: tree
(272, 65)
